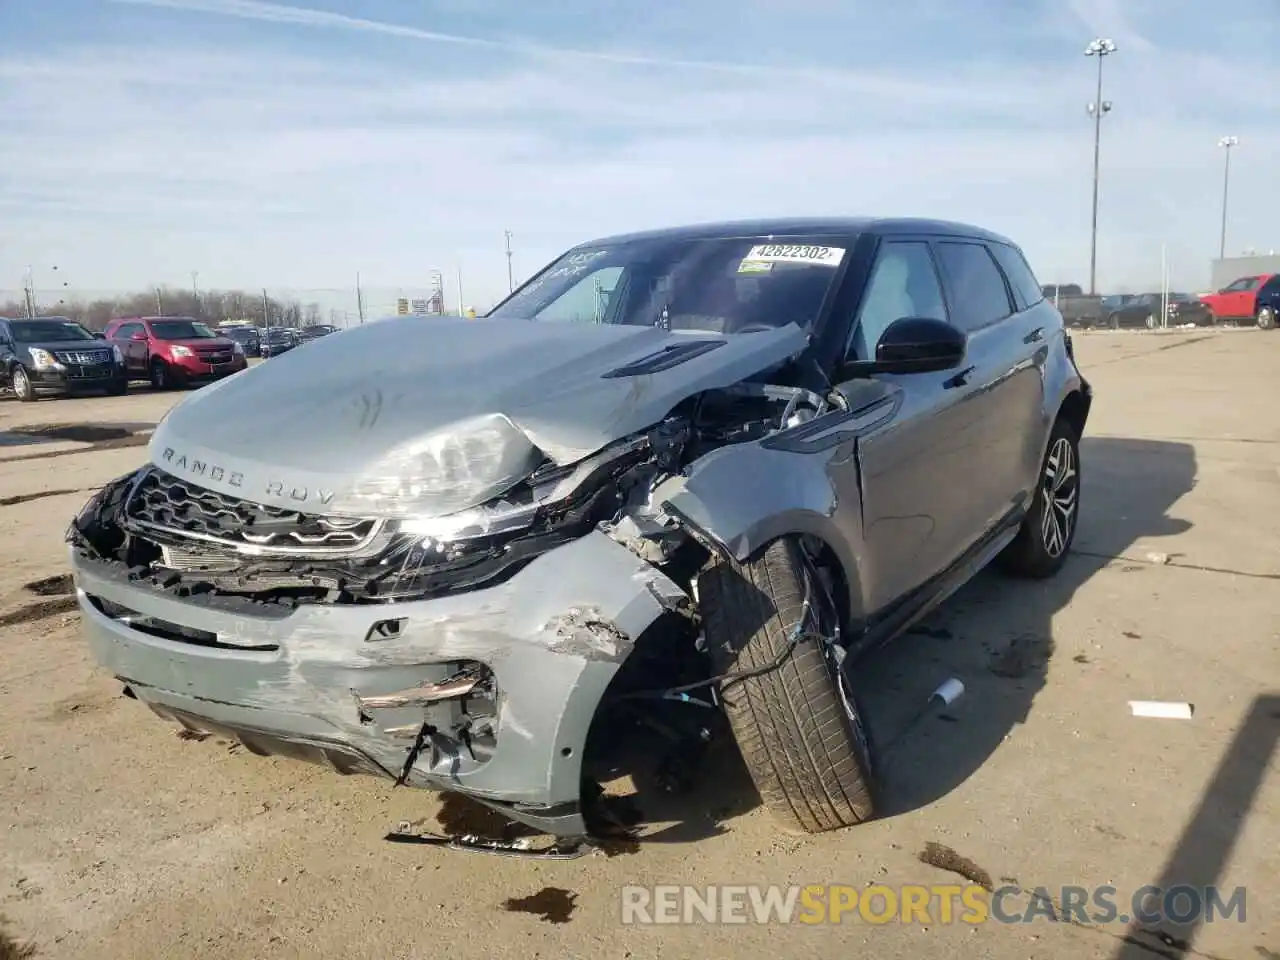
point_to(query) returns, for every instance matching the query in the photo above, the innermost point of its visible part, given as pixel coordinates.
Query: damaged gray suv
(700, 469)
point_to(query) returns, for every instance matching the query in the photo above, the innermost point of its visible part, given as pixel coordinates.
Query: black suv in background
(56, 355)
(248, 337)
(277, 340)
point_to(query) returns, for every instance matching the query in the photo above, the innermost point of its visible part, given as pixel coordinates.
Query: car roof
(805, 226)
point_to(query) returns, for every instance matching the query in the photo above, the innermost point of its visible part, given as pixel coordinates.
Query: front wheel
(160, 379)
(1040, 548)
(795, 720)
(22, 388)
(1150, 321)
(1113, 321)
(1267, 318)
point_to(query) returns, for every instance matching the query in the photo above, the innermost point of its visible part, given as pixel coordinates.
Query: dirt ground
(122, 840)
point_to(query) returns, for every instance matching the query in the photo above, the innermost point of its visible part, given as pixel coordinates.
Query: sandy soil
(122, 840)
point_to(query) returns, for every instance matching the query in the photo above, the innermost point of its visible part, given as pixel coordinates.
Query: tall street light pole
(1226, 143)
(511, 281)
(1099, 48)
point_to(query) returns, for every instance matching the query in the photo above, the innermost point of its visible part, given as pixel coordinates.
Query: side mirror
(915, 345)
(99, 335)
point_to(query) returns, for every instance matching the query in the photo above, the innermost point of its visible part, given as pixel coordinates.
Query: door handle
(959, 380)
(1035, 336)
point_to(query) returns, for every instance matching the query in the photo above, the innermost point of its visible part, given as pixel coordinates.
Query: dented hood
(302, 428)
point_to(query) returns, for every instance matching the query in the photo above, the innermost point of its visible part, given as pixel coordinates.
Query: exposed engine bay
(194, 543)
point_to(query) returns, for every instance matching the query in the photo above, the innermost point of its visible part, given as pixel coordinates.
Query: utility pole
(1226, 143)
(266, 310)
(159, 303)
(359, 298)
(462, 311)
(1099, 48)
(511, 282)
(29, 292)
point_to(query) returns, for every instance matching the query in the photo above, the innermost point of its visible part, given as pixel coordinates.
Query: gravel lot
(122, 840)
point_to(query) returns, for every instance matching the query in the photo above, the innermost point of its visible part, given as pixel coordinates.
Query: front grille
(222, 356)
(169, 505)
(84, 358)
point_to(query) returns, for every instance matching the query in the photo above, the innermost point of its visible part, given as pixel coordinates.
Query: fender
(738, 498)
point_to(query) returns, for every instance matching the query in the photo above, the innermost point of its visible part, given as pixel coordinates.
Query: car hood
(77, 345)
(301, 431)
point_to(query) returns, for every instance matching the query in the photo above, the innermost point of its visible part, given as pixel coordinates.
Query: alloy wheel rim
(1060, 489)
(20, 383)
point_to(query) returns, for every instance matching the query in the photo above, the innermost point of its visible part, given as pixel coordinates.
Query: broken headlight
(448, 470)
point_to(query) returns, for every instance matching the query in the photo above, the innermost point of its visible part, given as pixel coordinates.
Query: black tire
(1113, 321)
(807, 752)
(159, 371)
(22, 388)
(1267, 318)
(1036, 552)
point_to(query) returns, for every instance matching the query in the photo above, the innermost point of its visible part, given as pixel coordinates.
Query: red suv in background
(1249, 298)
(174, 350)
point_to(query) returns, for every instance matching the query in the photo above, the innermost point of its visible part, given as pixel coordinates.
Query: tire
(1113, 321)
(1211, 319)
(22, 388)
(1267, 318)
(159, 371)
(1039, 550)
(1150, 321)
(799, 731)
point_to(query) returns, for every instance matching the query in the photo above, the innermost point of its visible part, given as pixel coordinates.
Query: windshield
(48, 331)
(181, 330)
(719, 285)
(239, 333)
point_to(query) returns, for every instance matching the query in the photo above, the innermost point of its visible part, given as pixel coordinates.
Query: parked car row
(48, 356)
(1254, 299)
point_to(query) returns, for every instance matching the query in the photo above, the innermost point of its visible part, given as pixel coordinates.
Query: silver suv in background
(693, 469)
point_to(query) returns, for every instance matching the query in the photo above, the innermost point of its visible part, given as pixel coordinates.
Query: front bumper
(554, 635)
(192, 369)
(75, 379)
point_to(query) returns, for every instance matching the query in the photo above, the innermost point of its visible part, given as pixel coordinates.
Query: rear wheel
(793, 715)
(1113, 321)
(1040, 548)
(22, 388)
(1267, 318)
(1150, 321)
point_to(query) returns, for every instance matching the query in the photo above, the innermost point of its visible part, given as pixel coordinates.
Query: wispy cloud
(304, 151)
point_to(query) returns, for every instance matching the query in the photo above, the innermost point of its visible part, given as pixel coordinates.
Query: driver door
(919, 468)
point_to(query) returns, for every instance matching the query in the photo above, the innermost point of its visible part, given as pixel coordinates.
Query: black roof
(806, 226)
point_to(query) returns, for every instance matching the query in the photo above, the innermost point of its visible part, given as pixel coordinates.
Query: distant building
(1222, 272)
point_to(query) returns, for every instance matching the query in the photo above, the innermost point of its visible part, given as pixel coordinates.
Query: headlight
(116, 354)
(180, 351)
(43, 359)
(450, 470)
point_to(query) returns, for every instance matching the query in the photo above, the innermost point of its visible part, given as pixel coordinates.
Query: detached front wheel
(1267, 318)
(796, 723)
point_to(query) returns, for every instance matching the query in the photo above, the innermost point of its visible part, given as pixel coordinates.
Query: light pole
(1099, 48)
(1226, 143)
(511, 282)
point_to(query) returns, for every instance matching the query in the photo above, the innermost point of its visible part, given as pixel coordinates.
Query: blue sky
(289, 145)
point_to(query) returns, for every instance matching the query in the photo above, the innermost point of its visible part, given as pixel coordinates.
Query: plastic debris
(1161, 709)
(949, 692)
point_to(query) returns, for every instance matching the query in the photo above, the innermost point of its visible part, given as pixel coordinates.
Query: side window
(127, 330)
(904, 283)
(1026, 288)
(584, 302)
(978, 294)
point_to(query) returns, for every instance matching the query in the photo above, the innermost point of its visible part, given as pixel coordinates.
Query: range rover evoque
(683, 468)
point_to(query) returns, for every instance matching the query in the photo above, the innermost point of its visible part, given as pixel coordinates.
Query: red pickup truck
(170, 351)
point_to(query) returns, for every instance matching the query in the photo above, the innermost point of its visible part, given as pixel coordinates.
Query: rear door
(1008, 346)
(135, 351)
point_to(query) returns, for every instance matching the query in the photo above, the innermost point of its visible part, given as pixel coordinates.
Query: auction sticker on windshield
(770, 253)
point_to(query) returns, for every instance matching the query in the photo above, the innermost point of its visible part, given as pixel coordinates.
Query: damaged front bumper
(490, 693)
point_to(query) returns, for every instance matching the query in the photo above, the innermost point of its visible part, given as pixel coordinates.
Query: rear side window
(978, 294)
(1026, 288)
(1272, 285)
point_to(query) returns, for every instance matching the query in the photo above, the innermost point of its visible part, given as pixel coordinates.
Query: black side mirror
(915, 345)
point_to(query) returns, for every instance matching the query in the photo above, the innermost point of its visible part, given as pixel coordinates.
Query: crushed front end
(470, 660)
